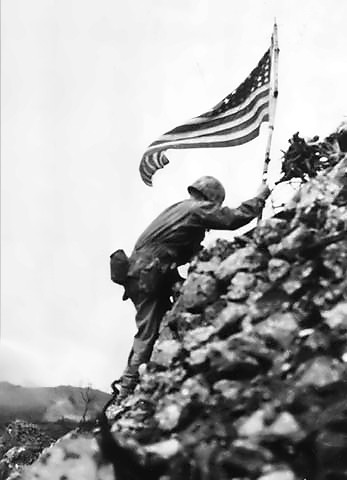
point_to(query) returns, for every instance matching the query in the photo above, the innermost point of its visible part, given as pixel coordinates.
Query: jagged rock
(245, 259)
(165, 352)
(198, 358)
(277, 269)
(280, 474)
(335, 260)
(169, 416)
(337, 316)
(165, 449)
(317, 342)
(229, 319)
(196, 388)
(254, 425)
(199, 291)
(280, 327)
(270, 231)
(320, 371)
(212, 311)
(77, 459)
(197, 336)
(229, 389)
(185, 321)
(299, 275)
(240, 286)
(284, 425)
(233, 365)
(293, 243)
(275, 299)
(207, 267)
(244, 459)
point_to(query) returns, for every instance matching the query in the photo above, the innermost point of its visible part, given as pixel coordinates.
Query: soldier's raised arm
(225, 218)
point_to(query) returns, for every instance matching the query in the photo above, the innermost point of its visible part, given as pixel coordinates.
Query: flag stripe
(200, 140)
(233, 114)
(226, 142)
(234, 121)
(230, 125)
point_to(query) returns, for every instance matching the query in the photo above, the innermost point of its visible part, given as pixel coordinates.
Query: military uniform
(172, 239)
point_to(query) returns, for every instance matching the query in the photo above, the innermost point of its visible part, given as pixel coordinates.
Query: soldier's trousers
(150, 309)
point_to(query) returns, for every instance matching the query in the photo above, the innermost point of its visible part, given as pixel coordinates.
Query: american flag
(233, 121)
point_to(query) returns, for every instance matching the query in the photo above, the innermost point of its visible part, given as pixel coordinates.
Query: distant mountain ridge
(49, 404)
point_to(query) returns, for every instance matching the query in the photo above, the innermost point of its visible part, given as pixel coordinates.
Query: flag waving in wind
(233, 121)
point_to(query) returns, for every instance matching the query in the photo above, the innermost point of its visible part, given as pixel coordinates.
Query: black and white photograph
(173, 240)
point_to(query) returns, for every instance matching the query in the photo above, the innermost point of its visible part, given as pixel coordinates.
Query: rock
(240, 286)
(335, 260)
(212, 311)
(194, 338)
(165, 449)
(245, 259)
(331, 454)
(319, 372)
(277, 269)
(227, 388)
(272, 300)
(280, 474)
(198, 358)
(337, 316)
(165, 352)
(243, 459)
(299, 275)
(292, 244)
(285, 425)
(270, 231)
(232, 365)
(199, 291)
(280, 327)
(169, 416)
(185, 321)
(229, 319)
(77, 459)
(253, 425)
(316, 342)
(208, 267)
(195, 387)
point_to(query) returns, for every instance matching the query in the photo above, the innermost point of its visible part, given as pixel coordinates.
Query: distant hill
(48, 404)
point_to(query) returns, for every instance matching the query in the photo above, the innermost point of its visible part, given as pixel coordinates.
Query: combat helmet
(209, 188)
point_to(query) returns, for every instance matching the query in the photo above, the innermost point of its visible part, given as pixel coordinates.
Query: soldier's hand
(263, 191)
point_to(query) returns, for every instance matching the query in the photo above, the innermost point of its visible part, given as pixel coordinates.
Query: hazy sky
(86, 86)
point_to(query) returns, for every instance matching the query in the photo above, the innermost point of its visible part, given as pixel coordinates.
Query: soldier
(172, 239)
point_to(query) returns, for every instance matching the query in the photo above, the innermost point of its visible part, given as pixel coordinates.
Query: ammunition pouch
(119, 263)
(151, 272)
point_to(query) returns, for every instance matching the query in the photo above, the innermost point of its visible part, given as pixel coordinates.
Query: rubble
(248, 378)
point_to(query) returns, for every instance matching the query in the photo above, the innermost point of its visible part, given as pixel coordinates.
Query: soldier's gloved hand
(263, 191)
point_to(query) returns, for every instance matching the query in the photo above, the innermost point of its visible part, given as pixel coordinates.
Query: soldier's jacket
(174, 237)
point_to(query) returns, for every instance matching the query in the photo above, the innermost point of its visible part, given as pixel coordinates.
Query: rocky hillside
(248, 379)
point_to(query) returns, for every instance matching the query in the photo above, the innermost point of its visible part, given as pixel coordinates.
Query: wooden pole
(272, 101)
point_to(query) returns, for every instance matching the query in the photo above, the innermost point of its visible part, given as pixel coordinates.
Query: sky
(86, 86)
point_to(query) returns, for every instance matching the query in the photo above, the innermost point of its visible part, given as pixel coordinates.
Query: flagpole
(272, 102)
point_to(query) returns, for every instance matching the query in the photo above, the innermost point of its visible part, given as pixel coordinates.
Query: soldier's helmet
(209, 188)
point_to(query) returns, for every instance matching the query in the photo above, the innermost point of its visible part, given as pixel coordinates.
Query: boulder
(199, 291)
